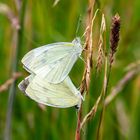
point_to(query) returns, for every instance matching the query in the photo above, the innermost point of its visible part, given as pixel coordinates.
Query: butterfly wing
(58, 72)
(24, 83)
(57, 95)
(53, 61)
(46, 55)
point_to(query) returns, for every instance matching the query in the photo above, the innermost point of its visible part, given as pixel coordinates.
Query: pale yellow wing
(60, 95)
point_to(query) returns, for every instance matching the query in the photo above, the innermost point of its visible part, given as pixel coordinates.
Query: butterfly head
(77, 45)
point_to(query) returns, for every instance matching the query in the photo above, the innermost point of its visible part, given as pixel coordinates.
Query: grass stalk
(104, 91)
(87, 73)
(121, 84)
(12, 91)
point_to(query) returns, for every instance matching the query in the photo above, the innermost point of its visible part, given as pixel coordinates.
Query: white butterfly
(60, 95)
(53, 62)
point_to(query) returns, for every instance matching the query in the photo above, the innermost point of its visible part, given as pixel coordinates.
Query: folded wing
(60, 95)
(52, 62)
(45, 55)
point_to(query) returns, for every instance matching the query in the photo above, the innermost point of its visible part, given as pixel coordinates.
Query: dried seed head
(99, 58)
(101, 43)
(114, 36)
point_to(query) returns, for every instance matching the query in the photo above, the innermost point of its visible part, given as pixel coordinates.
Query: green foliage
(46, 24)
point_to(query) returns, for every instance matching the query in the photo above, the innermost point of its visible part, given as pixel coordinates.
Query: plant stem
(121, 84)
(87, 73)
(12, 91)
(77, 135)
(104, 91)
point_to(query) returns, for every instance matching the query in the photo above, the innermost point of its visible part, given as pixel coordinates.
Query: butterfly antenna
(78, 25)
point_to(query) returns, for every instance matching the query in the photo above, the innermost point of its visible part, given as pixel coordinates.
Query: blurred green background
(45, 23)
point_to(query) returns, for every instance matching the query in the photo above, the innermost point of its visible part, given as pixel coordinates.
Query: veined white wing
(24, 83)
(54, 59)
(44, 55)
(58, 71)
(61, 95)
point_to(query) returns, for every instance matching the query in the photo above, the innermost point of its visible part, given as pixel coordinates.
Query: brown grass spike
(114, 36)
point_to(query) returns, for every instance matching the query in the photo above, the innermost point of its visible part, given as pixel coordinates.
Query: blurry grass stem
(120, 85)
(103, 93)
(6, 85)
(7, 11)
(12, 91)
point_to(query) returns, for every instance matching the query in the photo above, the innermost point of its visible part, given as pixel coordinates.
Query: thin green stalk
(104, 92)
(12, 91)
